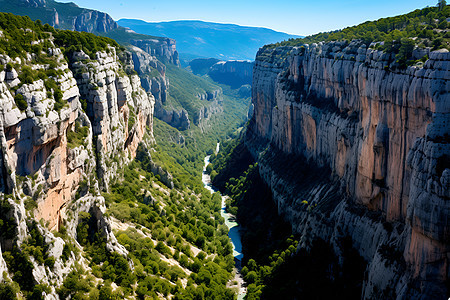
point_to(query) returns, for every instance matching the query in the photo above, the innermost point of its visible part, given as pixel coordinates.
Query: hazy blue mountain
(206, 39)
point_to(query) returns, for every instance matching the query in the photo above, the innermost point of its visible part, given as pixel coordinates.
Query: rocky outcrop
(163, 48)
(94, 21)
(34, 141)
(211, 95)
(152, 74)
(206, 112)
(119, 109)
(63, 135)
(233, 72)
(380, 135)
(175, 118)
(64, 15)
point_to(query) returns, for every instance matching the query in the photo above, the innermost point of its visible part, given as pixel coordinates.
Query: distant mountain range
(206, 39)
(61, 15)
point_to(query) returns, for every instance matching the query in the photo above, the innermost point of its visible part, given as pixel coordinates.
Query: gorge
(332, 177)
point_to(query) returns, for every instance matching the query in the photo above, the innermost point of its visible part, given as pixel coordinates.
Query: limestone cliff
(119, 108)
(152, 74)
(163, 48)
(233, 72)
(380, 136)
(65, 130)
(62, 15)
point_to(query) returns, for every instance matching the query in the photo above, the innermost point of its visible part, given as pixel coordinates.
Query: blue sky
(295, 17)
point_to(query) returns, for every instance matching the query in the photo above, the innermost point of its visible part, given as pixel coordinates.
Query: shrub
(20, 102)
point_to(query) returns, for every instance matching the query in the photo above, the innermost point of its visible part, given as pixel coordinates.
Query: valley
(132, 170)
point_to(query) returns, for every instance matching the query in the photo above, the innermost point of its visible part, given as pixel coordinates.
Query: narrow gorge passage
(233, 226)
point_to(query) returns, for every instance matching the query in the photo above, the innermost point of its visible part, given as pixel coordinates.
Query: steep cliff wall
(233, 72)
(152, 74)
(66, 127)
(117, 105)
(380, 136)
(62, 15)
(163, 48)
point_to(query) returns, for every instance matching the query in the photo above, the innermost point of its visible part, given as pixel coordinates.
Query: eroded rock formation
(63, 137)
(233, 72)
(64, 15)
(380, 135)
(163, 48)
(152, 74)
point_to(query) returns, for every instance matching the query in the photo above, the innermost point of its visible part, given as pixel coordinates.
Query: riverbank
(233, 233)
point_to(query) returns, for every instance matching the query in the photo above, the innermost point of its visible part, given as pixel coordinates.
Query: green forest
(426, 27)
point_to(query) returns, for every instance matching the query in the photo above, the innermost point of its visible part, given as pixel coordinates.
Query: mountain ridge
(206, 39)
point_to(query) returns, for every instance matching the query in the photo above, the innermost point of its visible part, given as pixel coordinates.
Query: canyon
(344, 153)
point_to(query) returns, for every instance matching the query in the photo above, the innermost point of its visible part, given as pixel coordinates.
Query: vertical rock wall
(382, 133)
(119, 109)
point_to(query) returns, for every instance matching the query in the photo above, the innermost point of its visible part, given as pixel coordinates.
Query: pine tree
(442, 4)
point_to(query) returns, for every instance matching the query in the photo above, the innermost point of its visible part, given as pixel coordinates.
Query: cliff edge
(379, 135)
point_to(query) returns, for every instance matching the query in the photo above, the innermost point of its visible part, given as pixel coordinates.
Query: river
(233, 229)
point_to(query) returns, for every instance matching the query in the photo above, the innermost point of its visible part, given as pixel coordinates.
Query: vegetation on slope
(184, 88)
(273, 268)
(176, 240)
(428, 27)
(21, 35)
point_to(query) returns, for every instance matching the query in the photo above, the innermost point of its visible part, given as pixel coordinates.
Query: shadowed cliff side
(382, 133)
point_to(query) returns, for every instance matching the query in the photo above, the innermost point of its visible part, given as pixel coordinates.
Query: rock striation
(152, 74)
(380, 136)
(163, 48)
(118, 107)
(76, 126)
(94, 21)
(63, 15)
(233, 72)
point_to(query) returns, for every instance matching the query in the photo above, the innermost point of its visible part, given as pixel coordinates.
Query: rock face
(63, 15)
(382, 136)
(206, 112)
(163, 48)
(233, 72)
(94, 21)
(119, 109)
(79, 125)
(152, 74)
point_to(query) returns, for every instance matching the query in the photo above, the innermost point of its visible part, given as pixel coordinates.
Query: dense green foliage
(16, 40)
(273, 267)
(18, 33)
(7, 291)
(429, 25)
(7, 224)
(168, 225)
(19, 264)
(77, 136)
(184, 88)
(71, 41)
